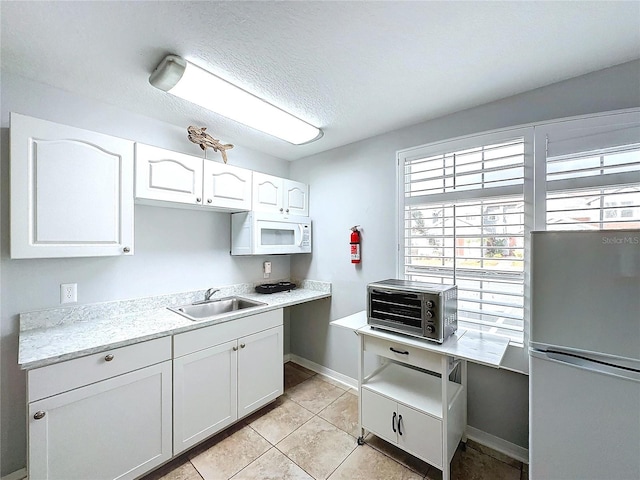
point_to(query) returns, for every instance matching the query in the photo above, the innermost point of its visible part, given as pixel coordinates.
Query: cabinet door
(378, 415)
(267, 193)
(168, 176)
(204, 392)
(226, 186)
(421, 435)
(296, 198)
(71, 191)
(117, 428)
(260, 369)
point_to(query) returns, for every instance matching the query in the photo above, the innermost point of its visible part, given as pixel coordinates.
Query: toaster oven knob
(430, 304)
(429, 314)
(431, 329)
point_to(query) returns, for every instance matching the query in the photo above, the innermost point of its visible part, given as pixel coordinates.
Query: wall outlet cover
(68, 292)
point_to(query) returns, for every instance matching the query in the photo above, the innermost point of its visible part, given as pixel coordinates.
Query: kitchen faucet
(209, 293)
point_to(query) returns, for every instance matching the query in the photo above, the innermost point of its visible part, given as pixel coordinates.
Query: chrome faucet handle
(209, 293)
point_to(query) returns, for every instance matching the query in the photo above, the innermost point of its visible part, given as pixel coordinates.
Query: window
(464, 216)
(594, 190)
(466, 207)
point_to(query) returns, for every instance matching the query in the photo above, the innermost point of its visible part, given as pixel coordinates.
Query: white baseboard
(337, 376)
(17, 475)
(287, 357)
(496, 443)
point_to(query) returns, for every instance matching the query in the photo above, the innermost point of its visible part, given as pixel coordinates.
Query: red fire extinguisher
(355, 244)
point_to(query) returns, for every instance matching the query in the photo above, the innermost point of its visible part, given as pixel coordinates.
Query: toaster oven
(425, 310)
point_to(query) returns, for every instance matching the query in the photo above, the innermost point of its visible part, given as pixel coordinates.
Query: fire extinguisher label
(355, 251)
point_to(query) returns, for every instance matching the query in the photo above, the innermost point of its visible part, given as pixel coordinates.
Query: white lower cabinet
(205, 392)
(118, 427)
(224, 372)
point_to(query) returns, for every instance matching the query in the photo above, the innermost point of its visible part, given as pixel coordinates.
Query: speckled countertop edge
(60, 334)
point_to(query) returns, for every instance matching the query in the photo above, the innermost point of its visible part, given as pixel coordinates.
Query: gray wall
(175, 250)
(355, 184)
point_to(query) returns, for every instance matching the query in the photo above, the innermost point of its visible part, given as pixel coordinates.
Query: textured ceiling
(354, 69)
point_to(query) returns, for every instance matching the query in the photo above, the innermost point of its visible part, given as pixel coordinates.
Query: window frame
(465, 143)
(534, 193)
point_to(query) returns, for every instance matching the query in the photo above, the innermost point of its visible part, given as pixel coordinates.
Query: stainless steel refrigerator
(584, 355)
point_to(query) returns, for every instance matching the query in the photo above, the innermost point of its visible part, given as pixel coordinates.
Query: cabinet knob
(281, 209)
(209, 200)
(108, 357)
(126, 249)
(198, 200)
(287, 210)
(242, 345)
(235, 349)
(39, 414)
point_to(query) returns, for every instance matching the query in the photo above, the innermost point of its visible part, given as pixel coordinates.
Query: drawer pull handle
(109, 357)
(399, 424)
(398, 351)
(393, 422)
(39, 414)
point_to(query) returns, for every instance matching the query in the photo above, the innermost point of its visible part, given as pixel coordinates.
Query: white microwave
(257, 233)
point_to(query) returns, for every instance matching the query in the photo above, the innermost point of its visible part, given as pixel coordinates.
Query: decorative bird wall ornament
(199, 136)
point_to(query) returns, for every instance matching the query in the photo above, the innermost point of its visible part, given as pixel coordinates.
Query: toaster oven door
(396, 310)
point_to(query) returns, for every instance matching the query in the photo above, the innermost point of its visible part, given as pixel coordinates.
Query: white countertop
(476, 347)
(63, 338)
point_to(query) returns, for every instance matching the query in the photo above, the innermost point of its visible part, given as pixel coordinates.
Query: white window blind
(593, 174)
(464, 223)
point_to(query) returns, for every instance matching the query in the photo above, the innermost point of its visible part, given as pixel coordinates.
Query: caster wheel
(360, 441)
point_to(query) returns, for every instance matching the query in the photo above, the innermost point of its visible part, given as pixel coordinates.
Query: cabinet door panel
(377, 415)
(296, 200)
(71, 191)
(226, 186)
(421, 435)
(204, 390)
(260, 369)
(117, 428)
(168, 176)
(267, 193)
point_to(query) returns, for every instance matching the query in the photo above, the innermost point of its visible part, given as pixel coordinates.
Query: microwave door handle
(301, 234)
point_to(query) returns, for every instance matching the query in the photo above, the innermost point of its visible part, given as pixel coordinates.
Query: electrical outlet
(266, 267)
(68, 292)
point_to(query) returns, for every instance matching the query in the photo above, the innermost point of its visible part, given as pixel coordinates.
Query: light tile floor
(310, 434)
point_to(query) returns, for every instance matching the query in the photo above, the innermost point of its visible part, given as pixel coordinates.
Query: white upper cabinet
(226, 186)
(168, 176)
(186, 180)
(71, 191)
(279, 195)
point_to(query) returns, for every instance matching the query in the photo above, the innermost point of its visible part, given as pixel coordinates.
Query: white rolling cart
(409, 400)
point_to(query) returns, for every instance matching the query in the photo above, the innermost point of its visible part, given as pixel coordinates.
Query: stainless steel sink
(215, 308)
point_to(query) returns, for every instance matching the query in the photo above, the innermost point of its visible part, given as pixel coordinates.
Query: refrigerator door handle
(573, 360)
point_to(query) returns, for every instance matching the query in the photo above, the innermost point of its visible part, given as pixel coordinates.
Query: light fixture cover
(179, 77)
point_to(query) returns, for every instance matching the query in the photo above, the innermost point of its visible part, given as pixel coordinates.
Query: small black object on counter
(275, 287)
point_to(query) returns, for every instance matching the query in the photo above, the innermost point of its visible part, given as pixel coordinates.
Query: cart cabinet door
(380, 415)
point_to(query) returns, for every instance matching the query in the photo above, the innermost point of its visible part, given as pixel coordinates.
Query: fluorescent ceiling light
(186, 80)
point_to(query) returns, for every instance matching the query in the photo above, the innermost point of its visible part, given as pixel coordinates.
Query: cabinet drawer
(61, 377)
(403, 353)
(194, 340)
